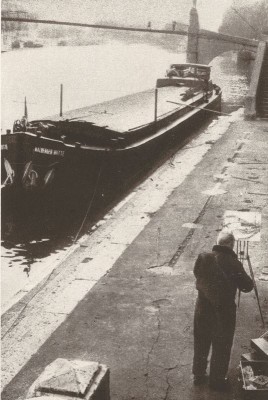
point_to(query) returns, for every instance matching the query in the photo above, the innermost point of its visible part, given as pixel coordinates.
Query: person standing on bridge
(218, 276)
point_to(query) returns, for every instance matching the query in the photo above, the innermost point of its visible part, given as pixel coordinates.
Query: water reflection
(233, 78)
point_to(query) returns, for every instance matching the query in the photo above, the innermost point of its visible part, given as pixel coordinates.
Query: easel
(243, 255)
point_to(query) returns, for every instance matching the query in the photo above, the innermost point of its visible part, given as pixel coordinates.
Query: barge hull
(84, 176)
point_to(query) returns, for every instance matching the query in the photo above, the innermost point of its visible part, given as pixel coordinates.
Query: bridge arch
(203, 45)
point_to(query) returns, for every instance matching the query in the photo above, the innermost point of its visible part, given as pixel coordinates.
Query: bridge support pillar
(193, 31)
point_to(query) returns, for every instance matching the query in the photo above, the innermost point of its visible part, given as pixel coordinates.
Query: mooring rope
(90, 203)
(200, 108)
(17, 319)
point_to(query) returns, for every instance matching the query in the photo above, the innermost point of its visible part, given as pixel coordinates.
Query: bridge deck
(181, 32)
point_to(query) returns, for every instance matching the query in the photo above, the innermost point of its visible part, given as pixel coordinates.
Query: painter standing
(218, 276)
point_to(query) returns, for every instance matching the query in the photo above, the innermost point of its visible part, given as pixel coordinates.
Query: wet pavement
(125, 296)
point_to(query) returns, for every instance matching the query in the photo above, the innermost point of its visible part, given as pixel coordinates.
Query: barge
(88, 152)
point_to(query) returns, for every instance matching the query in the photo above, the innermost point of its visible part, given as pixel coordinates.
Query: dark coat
(218, 276)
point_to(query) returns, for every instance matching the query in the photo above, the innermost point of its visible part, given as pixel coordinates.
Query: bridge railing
(202, 33)
(250, 100)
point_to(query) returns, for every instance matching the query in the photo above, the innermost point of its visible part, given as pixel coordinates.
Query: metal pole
(61, 97)
(155, 104)
(25, 108)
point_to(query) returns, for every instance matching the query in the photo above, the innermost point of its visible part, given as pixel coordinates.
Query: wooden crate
(259, 368)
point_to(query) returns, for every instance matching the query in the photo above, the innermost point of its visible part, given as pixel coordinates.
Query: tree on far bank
(248, 20)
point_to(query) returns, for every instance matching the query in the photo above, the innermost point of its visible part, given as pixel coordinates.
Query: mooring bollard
(72, 379)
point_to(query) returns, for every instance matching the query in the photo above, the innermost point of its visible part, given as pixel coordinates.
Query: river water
(89, 74)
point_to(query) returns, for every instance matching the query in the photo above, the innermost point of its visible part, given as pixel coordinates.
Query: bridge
(202, 46)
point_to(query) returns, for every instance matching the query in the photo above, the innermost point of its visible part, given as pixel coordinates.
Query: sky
(130, 12)
(211, 12)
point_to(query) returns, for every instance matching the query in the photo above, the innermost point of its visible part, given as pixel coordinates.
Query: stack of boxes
(254, 369)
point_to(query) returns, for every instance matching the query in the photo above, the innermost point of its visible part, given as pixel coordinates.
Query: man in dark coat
(218, 276)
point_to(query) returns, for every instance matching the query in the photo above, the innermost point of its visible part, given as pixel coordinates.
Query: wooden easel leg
(255, 288)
